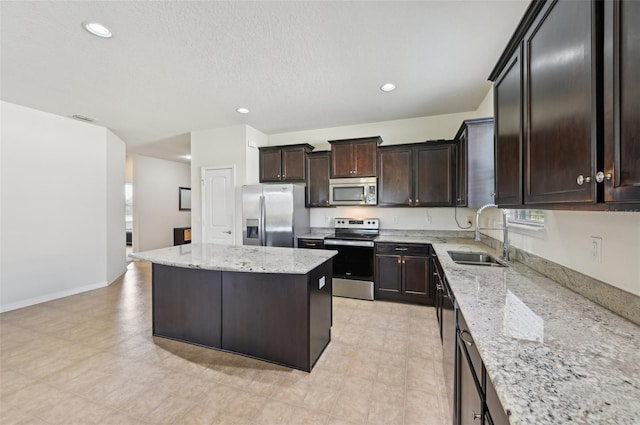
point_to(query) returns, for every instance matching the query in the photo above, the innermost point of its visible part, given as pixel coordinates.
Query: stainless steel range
(353, 266)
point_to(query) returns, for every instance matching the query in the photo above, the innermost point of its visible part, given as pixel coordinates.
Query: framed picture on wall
(184, 198)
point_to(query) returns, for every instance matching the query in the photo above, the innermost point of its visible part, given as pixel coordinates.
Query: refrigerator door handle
(261, 217)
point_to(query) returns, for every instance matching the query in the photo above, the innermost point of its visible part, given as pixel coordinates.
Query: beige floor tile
(91, 358)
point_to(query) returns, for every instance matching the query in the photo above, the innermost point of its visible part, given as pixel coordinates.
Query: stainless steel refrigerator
(273, 214)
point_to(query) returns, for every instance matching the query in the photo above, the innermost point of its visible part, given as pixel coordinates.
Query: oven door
(352, 268)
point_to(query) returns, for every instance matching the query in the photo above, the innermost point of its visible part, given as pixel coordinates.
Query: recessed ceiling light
(388, 87)
(242, 110)
(97, 29)
(82, 118)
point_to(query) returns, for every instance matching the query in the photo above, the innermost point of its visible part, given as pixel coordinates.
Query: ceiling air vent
(82, 118)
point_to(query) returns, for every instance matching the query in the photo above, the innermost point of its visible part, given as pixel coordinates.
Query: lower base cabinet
(477, 402)
(403, 273)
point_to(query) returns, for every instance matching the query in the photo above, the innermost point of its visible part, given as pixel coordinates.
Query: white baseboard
(51, 297)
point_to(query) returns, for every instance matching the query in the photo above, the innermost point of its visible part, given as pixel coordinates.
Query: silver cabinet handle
(475, 416)
(468, 341)
(582, 179)
(311, 244)
(402, 249)
(600, 177)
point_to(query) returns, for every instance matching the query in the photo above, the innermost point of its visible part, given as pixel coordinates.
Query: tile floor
(91, 359)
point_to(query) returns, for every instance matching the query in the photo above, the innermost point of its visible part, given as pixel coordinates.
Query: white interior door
(218, 205)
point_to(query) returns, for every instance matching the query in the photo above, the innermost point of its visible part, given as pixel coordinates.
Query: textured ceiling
(177, 66)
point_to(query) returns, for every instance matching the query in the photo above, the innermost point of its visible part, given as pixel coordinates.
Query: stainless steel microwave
(353, 191)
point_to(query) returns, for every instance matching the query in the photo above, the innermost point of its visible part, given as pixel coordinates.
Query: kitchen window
(528, 222)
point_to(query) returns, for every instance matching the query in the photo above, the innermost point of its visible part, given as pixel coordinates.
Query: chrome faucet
(504, 228)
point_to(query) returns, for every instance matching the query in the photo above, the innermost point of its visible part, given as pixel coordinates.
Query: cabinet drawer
(310, 243)
(420, 250)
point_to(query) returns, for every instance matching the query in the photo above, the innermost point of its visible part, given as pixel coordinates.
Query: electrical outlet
(428, 218)
(469, 220)
(596, 249)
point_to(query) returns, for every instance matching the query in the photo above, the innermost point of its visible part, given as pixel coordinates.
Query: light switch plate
(321, 282)
(596, 249)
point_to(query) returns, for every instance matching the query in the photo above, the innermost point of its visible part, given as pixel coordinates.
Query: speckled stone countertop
(254, 259)
(553, 356)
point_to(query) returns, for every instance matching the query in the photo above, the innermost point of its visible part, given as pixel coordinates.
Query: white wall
(115, 172)
(155, 201)
(398, 218)
(58, 208)
(567, 241)
(392, 132)
(216, 148)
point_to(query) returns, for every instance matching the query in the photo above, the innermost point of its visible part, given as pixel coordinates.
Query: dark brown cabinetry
(395, 176)
(580, 121)
(310, 243)
(403, 273)
(621, 98)
(416, 175)
(475, 181)
(560, 104)
(318, 165)
(354, 157)
(476, 398)
(283, 163)
(507, 101)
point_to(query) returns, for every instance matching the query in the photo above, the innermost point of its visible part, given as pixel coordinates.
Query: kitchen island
(268, 303)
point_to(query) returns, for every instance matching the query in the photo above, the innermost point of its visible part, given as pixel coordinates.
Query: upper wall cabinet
(318, 165)
(580, 123)
(475, 165)
(560, 104)
(283, 163)
(416, 175)
(507, 101)
(621, 99)
(354, 157)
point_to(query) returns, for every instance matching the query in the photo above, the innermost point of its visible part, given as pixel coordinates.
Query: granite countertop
(553, 356)
(233, 258)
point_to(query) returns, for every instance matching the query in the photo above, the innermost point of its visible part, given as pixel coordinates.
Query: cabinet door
(507, 105)
(621, 95)
(434, 178)
(293, 165)
(366, 157)
(470, 403)
(318, 179)
(394, 177)
(560, 84)
(389, 273)
(270, 162)
(416, 275)
(342, 160)
(461, 169)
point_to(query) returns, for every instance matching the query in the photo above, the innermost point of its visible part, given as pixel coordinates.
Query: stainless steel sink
(475, 258)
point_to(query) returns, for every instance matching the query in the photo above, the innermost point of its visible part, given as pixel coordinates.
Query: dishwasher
(445, 310)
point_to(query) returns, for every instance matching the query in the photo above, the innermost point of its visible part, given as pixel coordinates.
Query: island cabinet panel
(508, 139)
(268, 319)
(187, 304)
(621, 97)
(560, 104)
(283, 318)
